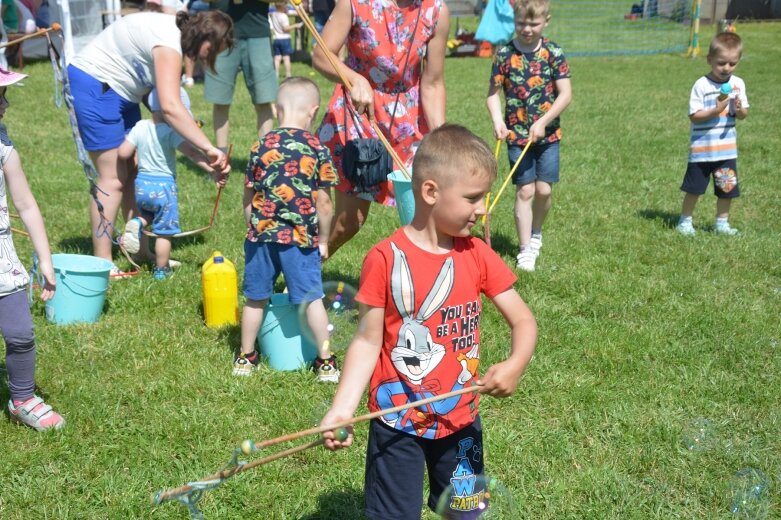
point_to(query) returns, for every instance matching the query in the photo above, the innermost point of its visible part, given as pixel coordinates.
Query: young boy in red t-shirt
(420, 334)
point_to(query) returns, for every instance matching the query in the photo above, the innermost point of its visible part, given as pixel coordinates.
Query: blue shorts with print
(541, 163)
(395, 463)
(725, 178)
(104, 116)
(264, 261)
(282, 47)
(158, 200)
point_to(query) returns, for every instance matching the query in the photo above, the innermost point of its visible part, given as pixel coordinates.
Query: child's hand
(323, 251)
(500, 380)
(500, 130)
(218, 160)
(220, 179)
(723, 105)
(49, 281)
(537, 132)
(331, 443)
(738, 103)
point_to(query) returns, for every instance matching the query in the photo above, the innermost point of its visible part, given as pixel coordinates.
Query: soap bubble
(749, 494)
(475, 496)
(699, 435)
(342, 310)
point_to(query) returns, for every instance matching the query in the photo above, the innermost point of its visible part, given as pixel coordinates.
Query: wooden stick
(40, 32)
(488, 195)
(162, 496)
(510, 175)
(25, 233)
(333, 61)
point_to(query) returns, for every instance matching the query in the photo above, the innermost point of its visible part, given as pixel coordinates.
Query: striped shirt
(715, 139)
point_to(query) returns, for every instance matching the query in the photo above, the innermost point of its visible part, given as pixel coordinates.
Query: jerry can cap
(219, 259)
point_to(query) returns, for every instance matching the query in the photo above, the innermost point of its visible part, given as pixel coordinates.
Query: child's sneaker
(535, 243)
(327, 370)
(131, 238)
(685, 227)
(526, 260)
(723, 228)
(161, 273)
(35, 414)
(245, 364)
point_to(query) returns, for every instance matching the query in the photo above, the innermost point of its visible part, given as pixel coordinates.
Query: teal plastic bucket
(405, 200)
(82, 282)
(280, 338)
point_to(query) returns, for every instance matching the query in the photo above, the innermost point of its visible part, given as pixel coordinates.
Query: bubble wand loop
(333, 61)
(234, 467)
(40, 32)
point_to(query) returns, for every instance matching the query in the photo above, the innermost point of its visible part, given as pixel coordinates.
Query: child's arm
(706, 114)
(563, 99)
(126, 150)
(359, 363)
(740, 111)
(325, 213)
(494, 104)
(249, 194)
(28, 210)
(288, 28)
(200, 160)
(501, 379)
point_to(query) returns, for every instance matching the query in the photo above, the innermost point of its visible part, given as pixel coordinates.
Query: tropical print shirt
(286, 168)
(529, 83)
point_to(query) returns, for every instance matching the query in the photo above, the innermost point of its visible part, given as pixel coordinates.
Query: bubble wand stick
(190, 493)
(40, 32)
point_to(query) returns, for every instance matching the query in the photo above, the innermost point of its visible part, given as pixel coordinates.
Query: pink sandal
(36, 414)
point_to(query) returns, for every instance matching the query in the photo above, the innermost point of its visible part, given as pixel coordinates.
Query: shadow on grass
(76, 245)
(230, 335)
(344, 505)
(667, 219)
(503, 245)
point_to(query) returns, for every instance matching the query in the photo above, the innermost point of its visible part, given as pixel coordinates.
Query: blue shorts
(263, 261)
(395, 463)
(540, 164)
(725, 178)
(282, 47)
(104, 116)
(158, 200)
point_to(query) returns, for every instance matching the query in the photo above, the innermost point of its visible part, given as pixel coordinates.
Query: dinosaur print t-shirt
(286, 168)
(431, 339)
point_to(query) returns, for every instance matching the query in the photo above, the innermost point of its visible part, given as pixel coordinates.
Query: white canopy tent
(81, 21)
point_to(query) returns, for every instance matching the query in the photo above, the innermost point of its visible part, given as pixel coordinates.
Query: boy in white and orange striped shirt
(717, 100)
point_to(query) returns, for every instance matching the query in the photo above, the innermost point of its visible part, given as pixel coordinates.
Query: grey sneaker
(526, 260)
(131, 238)
(685, 227)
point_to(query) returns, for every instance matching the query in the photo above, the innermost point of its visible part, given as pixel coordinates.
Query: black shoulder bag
(365, 161)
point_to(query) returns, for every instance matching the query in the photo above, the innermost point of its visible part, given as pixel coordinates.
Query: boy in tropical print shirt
(534, 75)
(288, 210)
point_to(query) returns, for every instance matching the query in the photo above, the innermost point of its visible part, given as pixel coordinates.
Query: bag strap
(355, 115)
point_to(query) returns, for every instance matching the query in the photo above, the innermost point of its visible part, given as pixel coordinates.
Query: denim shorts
(104, 116)
(395, 463)
(158, 200)
(263, 261)
(725, 178)
(253, 57)
(541, 163)
(282, 47)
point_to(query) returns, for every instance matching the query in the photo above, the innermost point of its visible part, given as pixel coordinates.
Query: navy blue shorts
(104, 116)
(282, 47)
(541, 163)
(263, 261)
(395, 463)
(725, 178)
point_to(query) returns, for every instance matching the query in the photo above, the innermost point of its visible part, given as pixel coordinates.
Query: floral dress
(377, 44)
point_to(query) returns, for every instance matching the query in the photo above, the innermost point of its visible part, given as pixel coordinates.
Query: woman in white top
(114, 72)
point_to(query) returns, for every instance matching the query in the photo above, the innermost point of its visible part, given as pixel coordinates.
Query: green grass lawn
(642, 331)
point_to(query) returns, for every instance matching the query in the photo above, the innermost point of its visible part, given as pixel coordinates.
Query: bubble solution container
(220, 291)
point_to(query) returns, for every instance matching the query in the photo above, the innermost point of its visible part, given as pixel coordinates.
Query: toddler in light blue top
(155, 144)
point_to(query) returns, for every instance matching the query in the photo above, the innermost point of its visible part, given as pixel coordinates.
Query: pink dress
(377, 46)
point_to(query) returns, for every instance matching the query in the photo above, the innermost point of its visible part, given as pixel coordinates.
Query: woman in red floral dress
(378, 34)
